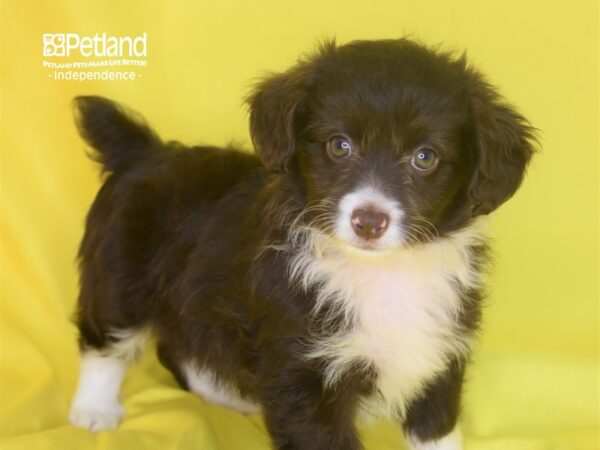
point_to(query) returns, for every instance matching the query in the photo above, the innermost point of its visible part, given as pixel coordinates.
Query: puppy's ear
(504, 141)
(275, 108)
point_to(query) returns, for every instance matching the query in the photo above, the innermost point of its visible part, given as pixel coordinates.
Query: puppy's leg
(96, 403)
(301, 415)
(430, 423)
(171, 363)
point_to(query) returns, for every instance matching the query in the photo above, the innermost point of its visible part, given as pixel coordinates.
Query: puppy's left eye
(339, 148)
(425, 160)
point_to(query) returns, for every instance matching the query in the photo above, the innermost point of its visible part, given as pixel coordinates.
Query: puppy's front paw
(452, 441)
(96, 417)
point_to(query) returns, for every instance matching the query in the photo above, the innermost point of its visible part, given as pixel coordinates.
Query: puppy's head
(392, 142)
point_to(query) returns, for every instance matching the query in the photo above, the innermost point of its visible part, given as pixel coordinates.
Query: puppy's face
(385, 142)
(394, 144)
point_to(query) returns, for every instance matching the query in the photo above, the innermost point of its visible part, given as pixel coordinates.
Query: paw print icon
(54, 44)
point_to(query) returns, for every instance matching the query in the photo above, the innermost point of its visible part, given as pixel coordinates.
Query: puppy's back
(157, 202)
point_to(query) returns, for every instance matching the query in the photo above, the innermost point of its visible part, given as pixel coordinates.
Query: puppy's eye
(339, 148)
(425, 160)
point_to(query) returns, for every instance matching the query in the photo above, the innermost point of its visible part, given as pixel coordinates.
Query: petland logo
(97, 57)
(99, 45)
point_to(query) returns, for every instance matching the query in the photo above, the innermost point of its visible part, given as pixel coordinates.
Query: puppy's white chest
(401, 313)
(406, 328)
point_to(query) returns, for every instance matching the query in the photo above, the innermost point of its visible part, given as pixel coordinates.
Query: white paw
(452, 441)
(96, 417)
(96, 403)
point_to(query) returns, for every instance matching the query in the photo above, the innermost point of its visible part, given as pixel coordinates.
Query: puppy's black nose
(369, 223)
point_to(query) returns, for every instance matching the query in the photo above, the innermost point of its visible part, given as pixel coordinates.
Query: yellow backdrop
(534, 380)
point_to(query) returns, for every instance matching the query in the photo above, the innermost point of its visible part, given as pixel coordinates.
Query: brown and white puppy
(335, 272)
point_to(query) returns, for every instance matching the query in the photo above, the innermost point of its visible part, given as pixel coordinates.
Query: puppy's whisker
(316, 206)
(412, 239)
(424, 232)
(429, 226)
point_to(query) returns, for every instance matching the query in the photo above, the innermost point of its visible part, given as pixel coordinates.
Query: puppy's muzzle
(369, 223)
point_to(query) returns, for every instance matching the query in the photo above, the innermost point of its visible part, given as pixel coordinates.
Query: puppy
(333, 274)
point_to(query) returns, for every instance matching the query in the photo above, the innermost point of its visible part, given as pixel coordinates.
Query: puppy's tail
(120, 138)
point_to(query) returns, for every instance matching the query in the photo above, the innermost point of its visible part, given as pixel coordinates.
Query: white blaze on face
(363, 197)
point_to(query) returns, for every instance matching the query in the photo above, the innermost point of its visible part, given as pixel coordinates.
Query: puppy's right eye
(339, 147)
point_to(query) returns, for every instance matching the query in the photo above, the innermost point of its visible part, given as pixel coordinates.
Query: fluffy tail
(121, 138)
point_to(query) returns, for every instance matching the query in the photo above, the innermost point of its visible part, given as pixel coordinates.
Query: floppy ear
(275, 107)
(504, 148)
